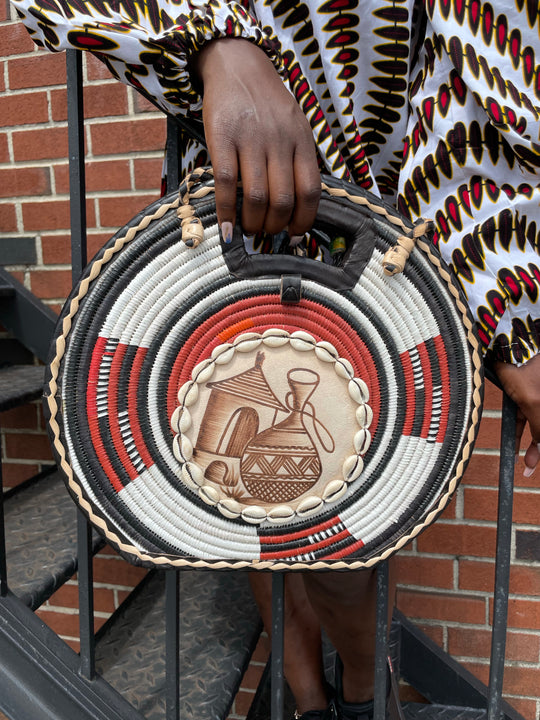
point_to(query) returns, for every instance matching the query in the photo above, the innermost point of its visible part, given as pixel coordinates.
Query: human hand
(255, 129)
(522, 385)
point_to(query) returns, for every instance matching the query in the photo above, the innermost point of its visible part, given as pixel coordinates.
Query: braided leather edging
(169, 561)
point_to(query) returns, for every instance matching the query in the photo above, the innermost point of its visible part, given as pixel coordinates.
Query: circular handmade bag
(211, 407)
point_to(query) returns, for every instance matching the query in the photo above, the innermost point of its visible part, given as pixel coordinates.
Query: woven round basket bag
(212, 407)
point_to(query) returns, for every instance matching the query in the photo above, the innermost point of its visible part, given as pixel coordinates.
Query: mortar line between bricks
(97, 215)
(131, 169)
(445, 638)
(486, 451)
(27, 53)
(130, 103)
(455, 624)
(513, 542)
(135, 118)
(459, 503)
(32, 127)
(433, 590)
(494, 414)
(485, 661)
(25, 431)
(464, 593)
(523, 526)
(113, 586)
(87, 140)
(6, 77)
(39, 250)
(432, 555)
(23, 461)
(19, 216)
(15, 92)
(493, 488)
(469, 522)
(61, 609)
(95, 159)
(522, 697)
(91, 195)
(33, 268)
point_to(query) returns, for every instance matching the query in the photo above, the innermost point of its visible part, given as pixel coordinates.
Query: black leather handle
(335, 213)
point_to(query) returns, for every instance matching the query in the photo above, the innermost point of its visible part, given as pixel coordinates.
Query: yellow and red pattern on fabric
(434, 106)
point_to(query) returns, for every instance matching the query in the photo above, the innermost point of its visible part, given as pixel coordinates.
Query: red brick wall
(124, 139)
(445, 576)
(124, 143)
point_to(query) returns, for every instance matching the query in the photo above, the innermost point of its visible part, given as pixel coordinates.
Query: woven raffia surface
(178, 374)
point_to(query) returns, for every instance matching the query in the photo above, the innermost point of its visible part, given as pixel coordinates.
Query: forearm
(151, 50)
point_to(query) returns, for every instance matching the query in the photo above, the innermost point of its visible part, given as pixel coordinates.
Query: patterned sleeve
(472, 164)
(145, 43)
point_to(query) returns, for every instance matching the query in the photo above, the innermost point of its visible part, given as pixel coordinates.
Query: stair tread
(20, 384)
(41, 539)
(219, 628)
(419, 711)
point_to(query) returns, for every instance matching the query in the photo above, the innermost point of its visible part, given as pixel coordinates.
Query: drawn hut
(237, 408)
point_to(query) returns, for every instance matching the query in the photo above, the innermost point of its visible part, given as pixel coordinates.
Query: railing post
(172, 577)
(77, 198)
(3, 558)
(86, 597)
(174, 164)
(381, 642)
(77, 182)
(502, 558)
(172, 644)
(278, 646)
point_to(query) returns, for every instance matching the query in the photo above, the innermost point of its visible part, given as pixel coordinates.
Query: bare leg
(345, 603)
(303, 660)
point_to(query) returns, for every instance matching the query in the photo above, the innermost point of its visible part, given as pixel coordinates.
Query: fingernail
(295, 240)
(226, 232)
(528, 471)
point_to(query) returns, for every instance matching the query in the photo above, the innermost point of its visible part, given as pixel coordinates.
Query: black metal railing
(87, 658)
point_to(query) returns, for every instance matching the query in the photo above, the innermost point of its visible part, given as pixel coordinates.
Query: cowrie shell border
(192, 474)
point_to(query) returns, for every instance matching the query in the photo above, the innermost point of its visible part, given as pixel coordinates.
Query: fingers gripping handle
(356, 225)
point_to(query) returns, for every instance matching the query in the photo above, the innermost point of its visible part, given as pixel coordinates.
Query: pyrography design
(247, 450)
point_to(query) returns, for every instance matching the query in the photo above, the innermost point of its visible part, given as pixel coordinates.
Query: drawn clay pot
(281, 463)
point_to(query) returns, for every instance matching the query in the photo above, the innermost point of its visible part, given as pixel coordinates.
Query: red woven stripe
(279, 539)
(409, 392)
(345, 551)
(91, 392)
(428, 388)
(133, 407)
(91, 412)
(307, 548)
(260, 309)
(445, 382)
(266, 312)
(236, 329)
(116, 435)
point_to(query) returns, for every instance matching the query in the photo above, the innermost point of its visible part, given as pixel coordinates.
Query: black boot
(364, 711)
(345, 710)
(328, 713)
